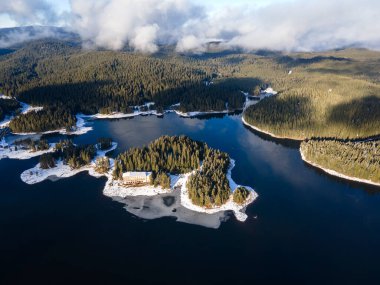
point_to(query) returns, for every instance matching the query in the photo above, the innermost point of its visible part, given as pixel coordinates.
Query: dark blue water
(311, 228)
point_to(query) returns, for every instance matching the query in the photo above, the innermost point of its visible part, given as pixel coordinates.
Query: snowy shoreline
(25, 109)
(337, 174)
(9, 151)
(266, 132)
(230, 205)
(36, 174)
(114, 189)
(80, 129)
(198, 113)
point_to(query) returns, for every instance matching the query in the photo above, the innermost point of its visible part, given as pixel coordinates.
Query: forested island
(359, 161)
(178, 163)
(208, 186)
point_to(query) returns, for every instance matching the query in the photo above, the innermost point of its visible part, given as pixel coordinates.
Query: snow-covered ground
(119, 115)
(80, 128)
(25, 108)
(2, 96)
(268, 92)
(196, 114)
(13, 152)
(37, 174)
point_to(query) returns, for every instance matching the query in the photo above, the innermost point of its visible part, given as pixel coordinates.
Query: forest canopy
(355, 159)
(208, 186)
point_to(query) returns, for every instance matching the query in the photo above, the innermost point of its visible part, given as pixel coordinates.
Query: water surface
(305, 227)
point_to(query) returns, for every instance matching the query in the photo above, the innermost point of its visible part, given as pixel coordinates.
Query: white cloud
(145, 39)
(28, 11)
(144, 24)
(140, 23)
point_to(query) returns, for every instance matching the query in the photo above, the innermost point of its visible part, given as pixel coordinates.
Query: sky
(301, 25)
(61, 6)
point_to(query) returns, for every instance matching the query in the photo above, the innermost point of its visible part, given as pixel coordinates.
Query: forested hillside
(331, 94)
(326, 95)
(355, 159)
(62, 75)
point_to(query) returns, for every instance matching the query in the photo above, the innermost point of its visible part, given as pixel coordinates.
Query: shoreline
(114, 190)
(21, 154)
(195, 114)
(268, 133)
(36, 174)
(80, 129)
(336, 173)
(239, 210)
(25, 109)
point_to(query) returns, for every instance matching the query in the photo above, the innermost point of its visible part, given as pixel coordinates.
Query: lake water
(305, 228)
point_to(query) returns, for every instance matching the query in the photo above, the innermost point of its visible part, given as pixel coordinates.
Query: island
(201, 173)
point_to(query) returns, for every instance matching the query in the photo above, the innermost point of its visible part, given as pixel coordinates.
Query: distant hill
(13, 38)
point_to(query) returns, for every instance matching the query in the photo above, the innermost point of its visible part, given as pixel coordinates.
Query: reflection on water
(169, 205)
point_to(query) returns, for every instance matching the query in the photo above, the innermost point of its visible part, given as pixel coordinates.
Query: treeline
(73, 155)
(47, 161)
(240, 195)
(177, 155)
(165, 155)
(105, 81)
(43, 120)
(7, 107)
(77, 156)
(210, 186)
(326, 98)
(33, 145)
(104, 143)
(88, 81)
(286, 117)
(355, 159)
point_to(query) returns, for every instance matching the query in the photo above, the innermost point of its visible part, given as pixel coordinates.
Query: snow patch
(37, 174)
(25, 109)
(13, 152)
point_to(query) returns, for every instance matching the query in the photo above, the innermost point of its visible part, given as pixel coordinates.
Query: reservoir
(306, 227)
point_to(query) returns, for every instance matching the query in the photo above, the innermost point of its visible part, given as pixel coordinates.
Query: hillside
(334, 94)
(331, 94)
